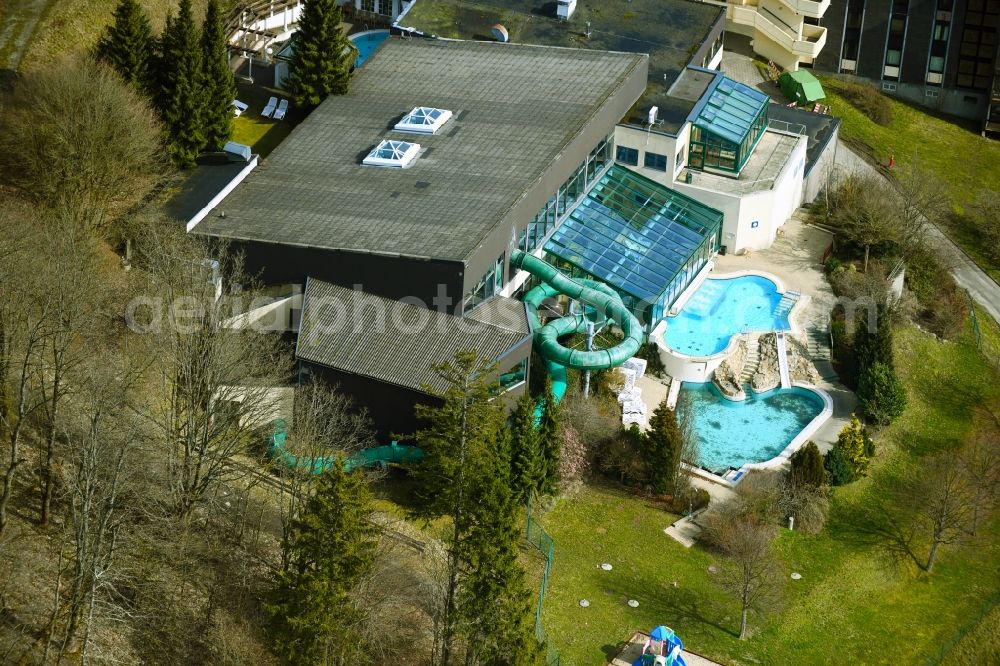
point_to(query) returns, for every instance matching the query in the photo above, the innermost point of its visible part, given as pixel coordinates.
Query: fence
(984, 346)
(540, 539)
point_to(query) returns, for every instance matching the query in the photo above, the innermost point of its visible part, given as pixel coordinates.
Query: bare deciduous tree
(213, 386)
(750, 571)
(77, 139)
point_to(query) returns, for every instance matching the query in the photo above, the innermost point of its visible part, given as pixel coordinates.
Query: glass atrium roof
(633, 233)
(423, 119)
(730, 110)
(390, 153)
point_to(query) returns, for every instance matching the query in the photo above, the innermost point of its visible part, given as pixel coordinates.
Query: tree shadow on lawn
(673, 606)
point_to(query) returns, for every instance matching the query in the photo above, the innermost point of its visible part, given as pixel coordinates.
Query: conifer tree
(526, 464)
(217, 81)
(331, 546)
(850, 457)
(180, 98)
(550, 440)
(664, 443)
(321, 55)
(874, 346)
(881, 395)
(495, 603)
(128, 46)
(461, 431)
(807, 467)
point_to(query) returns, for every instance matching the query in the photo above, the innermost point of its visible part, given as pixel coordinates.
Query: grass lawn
(960, 157)
(850, 606)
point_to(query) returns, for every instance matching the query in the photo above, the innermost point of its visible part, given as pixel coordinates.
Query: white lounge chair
(279, 113)
(269, 109)
(239, 107)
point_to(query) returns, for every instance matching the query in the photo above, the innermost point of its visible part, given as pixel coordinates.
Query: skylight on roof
(389, 153)
(424, 119)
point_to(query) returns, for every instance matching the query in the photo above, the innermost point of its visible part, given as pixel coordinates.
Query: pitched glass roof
(633, 233)
(423, 119)
(392, 153)
(730, 110)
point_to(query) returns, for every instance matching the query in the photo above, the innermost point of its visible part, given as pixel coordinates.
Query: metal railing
(540, 539)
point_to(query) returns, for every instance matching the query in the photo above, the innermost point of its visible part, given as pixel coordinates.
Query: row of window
(630, 156)
(532, 236)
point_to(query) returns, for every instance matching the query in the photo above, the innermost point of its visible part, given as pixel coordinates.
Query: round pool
(724, 307)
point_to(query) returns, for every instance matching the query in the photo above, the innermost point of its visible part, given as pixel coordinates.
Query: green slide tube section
(378, 455)
(589, 292)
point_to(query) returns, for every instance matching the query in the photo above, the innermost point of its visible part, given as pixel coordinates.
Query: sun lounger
(239, 107)
(279, 113)
(269, 109)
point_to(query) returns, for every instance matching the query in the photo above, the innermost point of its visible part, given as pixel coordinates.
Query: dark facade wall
(600, 125)
(387, 276)
(829, 58)
(916, 48)
(706, 44)
(874, 30)
(391, 407)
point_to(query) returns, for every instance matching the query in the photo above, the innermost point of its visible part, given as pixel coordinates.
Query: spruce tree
(881, 395)
(461, 432)
(331, 547)
(218, 83)
(807, 467)
(850, 457)
(664, 443)
(874, 346)
(321, 55)
(526, 465)
(495, 604)
(550, 440)
(180, 98)
(128, 46)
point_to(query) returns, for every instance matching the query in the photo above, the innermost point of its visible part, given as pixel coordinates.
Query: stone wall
(768, 375)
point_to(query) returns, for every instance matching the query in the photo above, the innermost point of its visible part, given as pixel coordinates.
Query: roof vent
(652, 115)
(423, 119)
(500, 33)
(565, 9)
(389, 153)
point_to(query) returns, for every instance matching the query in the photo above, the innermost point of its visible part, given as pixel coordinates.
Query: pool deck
(796, 259)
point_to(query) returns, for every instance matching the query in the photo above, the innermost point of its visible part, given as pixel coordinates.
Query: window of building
(655, 161)
(626, 155)
(487, 287)
(977, 50)
(679, 159)
(936, 64)
(931, 93)
(368, 6)
(423, 119)
(391, 153)
(888, 87)
(892, 58)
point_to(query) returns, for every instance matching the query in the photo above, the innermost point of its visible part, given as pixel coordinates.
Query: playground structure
(662, 648)
(597, 295)
(378, 456)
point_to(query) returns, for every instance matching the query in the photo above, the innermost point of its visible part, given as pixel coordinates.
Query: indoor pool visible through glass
(367, 43)
(734, 433)
(724, 307)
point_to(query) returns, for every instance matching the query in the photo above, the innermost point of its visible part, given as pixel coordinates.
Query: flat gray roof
(515, 107)
(396, 342)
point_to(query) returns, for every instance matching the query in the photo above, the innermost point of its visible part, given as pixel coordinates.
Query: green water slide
(375, 456)
(598, 296)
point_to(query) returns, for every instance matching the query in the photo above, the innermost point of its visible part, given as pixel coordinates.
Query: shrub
(869, 100)
(839, 470)
(807, 504)
(574, 460)
(807, 467)
(881, 395)
(622, 457)
(690, 501)
(651, 353)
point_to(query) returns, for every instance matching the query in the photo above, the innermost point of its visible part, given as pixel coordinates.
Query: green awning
(801, 86)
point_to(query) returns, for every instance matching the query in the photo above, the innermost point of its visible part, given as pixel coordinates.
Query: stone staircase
(818, 342)
(787, 302)
(752, 359)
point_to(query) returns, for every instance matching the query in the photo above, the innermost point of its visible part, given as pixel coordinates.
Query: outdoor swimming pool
(367, 43)
(724, 307)
(732, 434)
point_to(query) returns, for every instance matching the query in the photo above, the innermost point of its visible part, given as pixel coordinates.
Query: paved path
(967, 274)
(18, 19)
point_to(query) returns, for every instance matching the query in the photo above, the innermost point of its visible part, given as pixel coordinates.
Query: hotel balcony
(806, 42)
